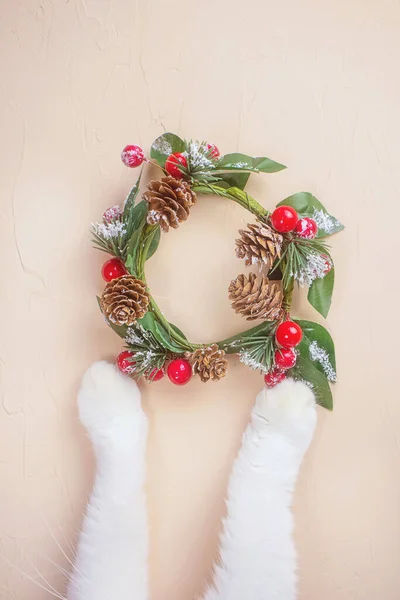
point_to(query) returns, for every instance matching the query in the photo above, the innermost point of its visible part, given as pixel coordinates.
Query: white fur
(112, 556)
(257, 556)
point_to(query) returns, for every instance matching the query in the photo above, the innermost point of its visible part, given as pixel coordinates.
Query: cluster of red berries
(178, 370)
(288, 335)
(133, 156)
(285, 219)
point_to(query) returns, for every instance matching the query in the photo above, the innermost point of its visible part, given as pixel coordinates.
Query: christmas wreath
(286, 246)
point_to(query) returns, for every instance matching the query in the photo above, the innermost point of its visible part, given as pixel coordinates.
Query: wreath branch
(277, 244)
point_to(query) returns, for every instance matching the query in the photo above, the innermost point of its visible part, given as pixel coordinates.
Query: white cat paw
(288, 408)
(109, 404)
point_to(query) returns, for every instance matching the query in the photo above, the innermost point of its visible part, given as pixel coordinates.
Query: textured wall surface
(311, 84)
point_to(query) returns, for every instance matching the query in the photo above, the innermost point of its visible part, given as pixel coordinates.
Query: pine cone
(209, 363)
(259, 245)
(169, 202)
(124, 300)
(255, 297)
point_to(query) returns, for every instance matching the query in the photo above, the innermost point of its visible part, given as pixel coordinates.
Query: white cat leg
(257, 555)
(112, 555)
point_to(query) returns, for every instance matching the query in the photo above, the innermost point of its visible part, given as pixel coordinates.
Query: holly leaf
(166, 144)
(306, 371)
(320, 293)
(307, 205)
(317, 345)
(258, 164)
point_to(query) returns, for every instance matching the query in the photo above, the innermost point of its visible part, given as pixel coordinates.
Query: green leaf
(138, 219)
(150, 323)
(165, 338)
(138, 215)
(166, 144)
(130, 201)
(178, 331)
(252, 163)
(320, 293)
(305, 370)
(323, 348)
(154, 243)
(238, 180)
(307, 205)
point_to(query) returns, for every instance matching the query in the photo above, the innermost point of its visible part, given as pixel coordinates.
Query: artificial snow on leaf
(308, 205)
(258, 164)
(317, 345)
(306, 371)
(164, 146)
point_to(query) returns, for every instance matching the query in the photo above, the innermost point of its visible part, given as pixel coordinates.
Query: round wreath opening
(285, 245)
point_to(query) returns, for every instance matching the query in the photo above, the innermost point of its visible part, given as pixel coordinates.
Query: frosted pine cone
(170, 201)
(208, 363)
(259, 245)
(124, 300)
(255, 297)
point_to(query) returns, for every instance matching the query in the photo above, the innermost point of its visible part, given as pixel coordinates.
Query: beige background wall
(312, 84)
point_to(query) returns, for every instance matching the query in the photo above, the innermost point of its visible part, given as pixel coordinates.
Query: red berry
(132, 156)
(172, 162)
(114, 213)
(274, 377)
(155, 375)
(213, 151)
(125, 363)
(284, 219)
(179, 371)
(112, 269)
(289, 334)
(285, 358)
(306, 228)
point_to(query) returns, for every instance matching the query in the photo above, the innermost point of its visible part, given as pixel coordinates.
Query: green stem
(288, 296)
(241, 197)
